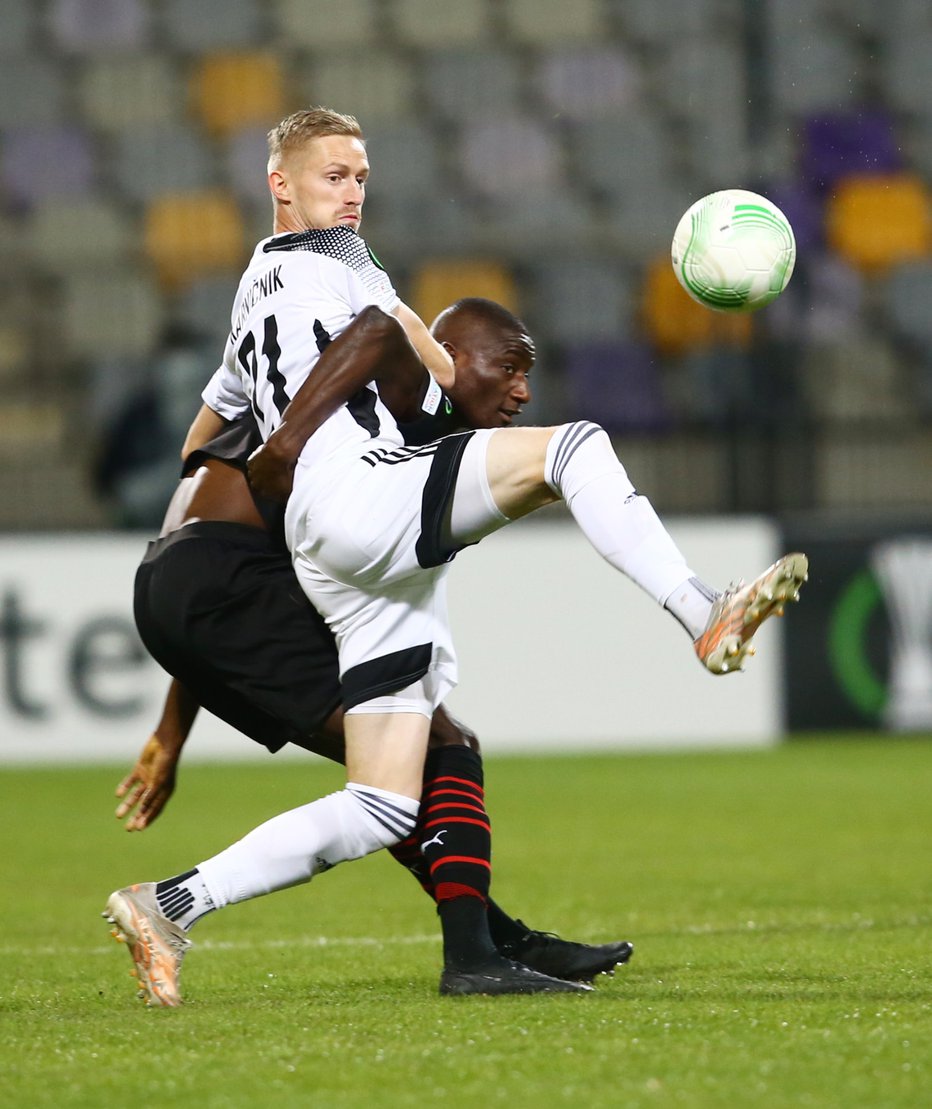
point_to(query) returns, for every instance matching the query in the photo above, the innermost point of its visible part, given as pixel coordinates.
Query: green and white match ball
(734, 251)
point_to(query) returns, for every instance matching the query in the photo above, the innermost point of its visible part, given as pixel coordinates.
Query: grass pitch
(779, 903)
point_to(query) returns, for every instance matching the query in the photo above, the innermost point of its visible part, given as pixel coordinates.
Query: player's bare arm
(431, 353)
(373, 348)
(206, 425)
(145, 791)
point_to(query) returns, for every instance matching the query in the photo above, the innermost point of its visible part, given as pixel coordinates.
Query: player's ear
(449, 348)
(278, 185)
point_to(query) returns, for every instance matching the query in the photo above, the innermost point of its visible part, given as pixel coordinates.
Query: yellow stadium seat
(230, 91)
(676, 324)
(879, 221)
(188, 235)
(438, 283)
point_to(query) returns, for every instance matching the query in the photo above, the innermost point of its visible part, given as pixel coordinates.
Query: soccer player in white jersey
(372, 526)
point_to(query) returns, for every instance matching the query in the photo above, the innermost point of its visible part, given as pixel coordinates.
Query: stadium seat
(833, 301)
(150, 161)
(98, 26)
(542, 22)
(713, 386)
(66, 235)
(538, 223)
(118, 312)
(244, 157)
(917, 141)
(906, 293)
(189, 235)
(854, 380)
(617, 156)
(472, 84)
(210, 25)
(18, 19)
(427, 24)
(649, 22)
(230, 91)
(403, 229)
(387, 94)
(438, 283)
(878, 221)
(508, 155)
(580, 299)
(702, 79)
(131, 90)
(587, 82)
(206, 306)
(404, 156)
(814, 67)
(904, 69)
(837, 144)
(617, 385)
(14, 353)
(640, 222)
(348, 23)
(34, 426)
(44, 106)
(39, 163)
(676, 324)
(717, 152)
(804, 208)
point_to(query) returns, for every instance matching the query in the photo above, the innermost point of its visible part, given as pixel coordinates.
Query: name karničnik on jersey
(263, 286)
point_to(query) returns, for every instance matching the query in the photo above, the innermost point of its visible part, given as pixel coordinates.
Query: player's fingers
(125, 784)
(130, 802)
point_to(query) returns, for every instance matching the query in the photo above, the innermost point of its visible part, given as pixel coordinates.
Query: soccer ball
(734, 251)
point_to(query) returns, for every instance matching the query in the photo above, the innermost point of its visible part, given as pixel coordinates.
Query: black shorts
(218, 606)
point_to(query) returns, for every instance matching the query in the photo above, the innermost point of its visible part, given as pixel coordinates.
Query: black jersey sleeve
(233, 446)
(427, 428)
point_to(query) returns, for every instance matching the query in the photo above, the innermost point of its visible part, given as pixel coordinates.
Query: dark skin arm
(147, 788)
(373, 348)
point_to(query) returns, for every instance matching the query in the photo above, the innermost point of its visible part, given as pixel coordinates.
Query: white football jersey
(298, 292)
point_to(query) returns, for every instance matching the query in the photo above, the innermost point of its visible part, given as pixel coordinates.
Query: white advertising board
(556, 650)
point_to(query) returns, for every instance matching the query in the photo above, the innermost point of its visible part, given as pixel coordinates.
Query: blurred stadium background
(536, 151)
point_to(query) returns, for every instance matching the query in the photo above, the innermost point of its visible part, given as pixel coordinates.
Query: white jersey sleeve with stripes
(297, 293)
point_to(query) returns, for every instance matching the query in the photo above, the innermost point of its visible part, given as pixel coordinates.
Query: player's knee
(380, 819)
(576, 453)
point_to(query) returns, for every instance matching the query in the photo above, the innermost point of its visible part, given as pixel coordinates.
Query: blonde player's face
(322, 185)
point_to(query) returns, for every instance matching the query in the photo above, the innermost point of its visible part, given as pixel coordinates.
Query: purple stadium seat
(617, 385)
(246, 155)
(839, 144)
(587, 82)
(99, 26)
(805, 210)
(508, 153)
(46, 161)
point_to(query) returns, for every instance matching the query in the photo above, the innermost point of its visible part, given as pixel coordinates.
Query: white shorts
(371, 543)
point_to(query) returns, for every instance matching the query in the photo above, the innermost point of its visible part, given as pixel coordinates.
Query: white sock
(583, 469)
(292, 847)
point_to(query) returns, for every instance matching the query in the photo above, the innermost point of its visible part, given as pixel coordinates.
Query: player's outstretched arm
(146, 790)
(431, 353)
(373, 348)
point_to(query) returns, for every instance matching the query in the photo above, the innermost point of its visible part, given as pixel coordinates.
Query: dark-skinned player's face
(493, 365)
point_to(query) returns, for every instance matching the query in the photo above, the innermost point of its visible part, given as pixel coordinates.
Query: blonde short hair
(303, 126)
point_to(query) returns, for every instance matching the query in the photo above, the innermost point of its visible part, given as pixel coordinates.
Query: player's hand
(148, 786)
(271, 467)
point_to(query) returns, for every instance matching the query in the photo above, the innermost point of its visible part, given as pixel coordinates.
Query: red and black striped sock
(450, 852)
(455, 834)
